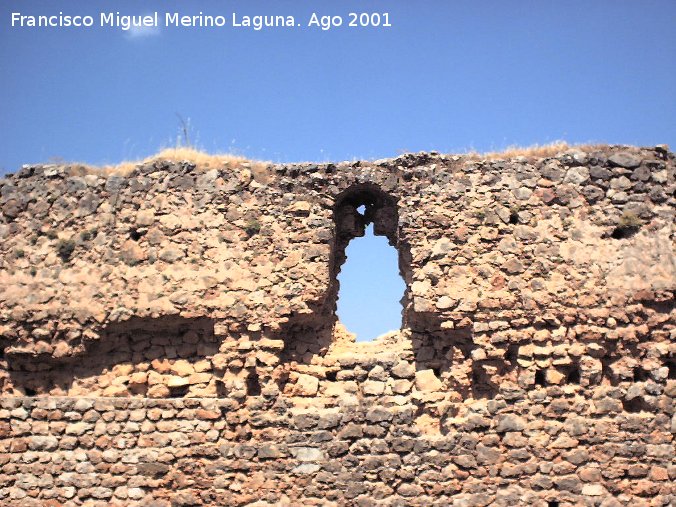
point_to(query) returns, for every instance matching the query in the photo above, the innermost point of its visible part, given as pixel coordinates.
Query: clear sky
(448, 76)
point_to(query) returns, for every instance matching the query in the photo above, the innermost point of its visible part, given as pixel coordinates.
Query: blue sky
(370, 287)
(447, 76)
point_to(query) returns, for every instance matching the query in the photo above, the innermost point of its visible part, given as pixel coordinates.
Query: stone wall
(169, 336)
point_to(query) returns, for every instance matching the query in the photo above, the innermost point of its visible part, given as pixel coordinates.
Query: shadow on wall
(455, 359)
(160, 357)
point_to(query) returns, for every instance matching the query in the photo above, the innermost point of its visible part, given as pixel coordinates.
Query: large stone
(378, 414)
(78, 428)
(441, 247)
(403, 369)
(301, 208)
(410, 490)
(145, 218)
(43, 443)
(306, 385)
(351, 431)
(577, 175)
(373, 387)
(510, 422)
(182, 368)
(607, 405)
(426, 380)
(626, 160)
(445, 302)
(175, 381)
(269, 451)
(131, 253)
(487, 455)
(306, 469)
(307, 453)
(593, 490)
(170, 254)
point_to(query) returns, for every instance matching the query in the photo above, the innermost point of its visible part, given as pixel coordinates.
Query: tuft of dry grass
(204, 162)
(201, 159)
(533, 151)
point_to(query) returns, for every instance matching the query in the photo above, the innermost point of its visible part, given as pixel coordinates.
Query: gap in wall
(371, 288)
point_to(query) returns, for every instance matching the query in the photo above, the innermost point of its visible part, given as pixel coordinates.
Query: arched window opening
(368, 265)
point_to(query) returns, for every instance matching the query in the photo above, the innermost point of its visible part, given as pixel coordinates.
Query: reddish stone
(659, 474)
(546, 195)
(201, 413)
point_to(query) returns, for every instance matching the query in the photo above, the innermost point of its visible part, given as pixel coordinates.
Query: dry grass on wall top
(204, 162)
(534, 151)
